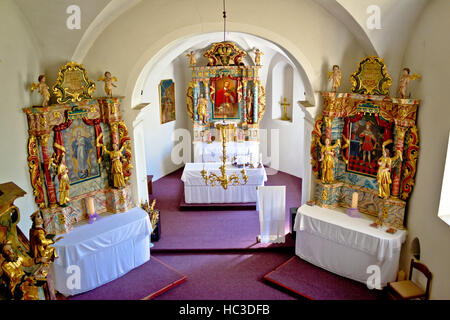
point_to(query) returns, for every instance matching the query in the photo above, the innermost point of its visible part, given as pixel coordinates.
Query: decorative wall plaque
(73, 84)
(371, 77)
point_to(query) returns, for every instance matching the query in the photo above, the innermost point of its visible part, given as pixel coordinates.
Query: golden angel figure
(335, 76)
(43, 89)
(109, 83)
(40, 241)
(192, 59)
(63, 177)
(327, 154)
(258, 55)
(202, 109)
(386, 164)
(404, 82)
(117, 165)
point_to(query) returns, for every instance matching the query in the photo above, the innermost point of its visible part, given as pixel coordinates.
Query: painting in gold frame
(167, 101)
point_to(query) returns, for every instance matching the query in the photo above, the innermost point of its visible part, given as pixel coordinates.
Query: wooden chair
(407, 289)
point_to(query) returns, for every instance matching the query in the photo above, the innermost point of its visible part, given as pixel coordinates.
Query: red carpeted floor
(311, 282)
(214, 229)
(143, 283)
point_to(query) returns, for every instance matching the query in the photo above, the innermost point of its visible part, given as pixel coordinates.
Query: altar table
(196, 191)
(347, 246)
(101, 252)
(212, 152)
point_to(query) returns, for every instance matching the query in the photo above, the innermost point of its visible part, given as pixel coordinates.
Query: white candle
(260, 158)
(355, 200)
(91, 206)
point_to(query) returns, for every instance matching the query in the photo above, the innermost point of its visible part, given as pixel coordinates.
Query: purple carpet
(314, 283)
(225, 276)
(214, 229)
(143, 283)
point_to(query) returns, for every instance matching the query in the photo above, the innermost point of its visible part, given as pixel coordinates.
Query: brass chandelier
(224, 180)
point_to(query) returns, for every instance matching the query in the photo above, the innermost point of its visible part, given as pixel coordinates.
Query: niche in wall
(282, 87)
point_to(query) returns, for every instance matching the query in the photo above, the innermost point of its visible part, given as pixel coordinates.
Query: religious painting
(167, 100)
(81, 156)
(366, 139)
(226, 105)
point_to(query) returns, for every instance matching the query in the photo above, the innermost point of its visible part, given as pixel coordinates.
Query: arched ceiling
(47, 20)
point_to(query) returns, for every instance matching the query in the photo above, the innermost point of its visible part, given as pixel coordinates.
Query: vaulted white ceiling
(47, 20)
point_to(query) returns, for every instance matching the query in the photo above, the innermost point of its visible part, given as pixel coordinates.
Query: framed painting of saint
(226, 104)
(81, 156)
(167, 100)
(366, 139)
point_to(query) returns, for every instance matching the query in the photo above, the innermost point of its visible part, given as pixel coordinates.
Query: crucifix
(284, 105)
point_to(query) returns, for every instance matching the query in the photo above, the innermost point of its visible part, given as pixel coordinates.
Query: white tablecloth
(196, 191)
(103, 251)
(346, 246)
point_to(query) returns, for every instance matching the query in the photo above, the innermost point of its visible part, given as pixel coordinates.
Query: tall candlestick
(355, 200)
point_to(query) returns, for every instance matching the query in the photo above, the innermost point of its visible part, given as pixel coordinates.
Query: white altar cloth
(196, 191)
(212, 152)
(345, 245)
(102, 251)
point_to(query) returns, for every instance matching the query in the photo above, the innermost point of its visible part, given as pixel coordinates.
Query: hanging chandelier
(213, 179)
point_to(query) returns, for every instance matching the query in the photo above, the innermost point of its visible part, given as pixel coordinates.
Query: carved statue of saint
(43, 89)
(327, 154)
(258, 55)
(335, 76)
(202, 109)
(40, 241)
(109, 83)
(404, 82)
(249, 106)
(192, 59)
(117, 166)
(63, 177)
(11, 268)
(386, 164)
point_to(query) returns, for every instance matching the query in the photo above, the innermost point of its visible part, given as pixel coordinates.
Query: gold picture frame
(167, 101)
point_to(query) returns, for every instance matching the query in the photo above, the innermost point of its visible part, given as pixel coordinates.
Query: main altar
(226, 89)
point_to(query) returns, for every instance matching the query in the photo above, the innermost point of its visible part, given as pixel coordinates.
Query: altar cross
(284, 104)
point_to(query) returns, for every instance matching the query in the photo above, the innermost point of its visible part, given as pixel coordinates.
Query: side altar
(226, 89)
(366, 142)
(78, 149)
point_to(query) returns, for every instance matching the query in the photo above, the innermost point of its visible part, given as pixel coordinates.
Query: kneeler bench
(94, 254)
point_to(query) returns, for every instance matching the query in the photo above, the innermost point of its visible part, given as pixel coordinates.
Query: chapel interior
(224, 149)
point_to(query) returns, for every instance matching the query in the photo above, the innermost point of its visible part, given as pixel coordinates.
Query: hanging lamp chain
(224, 21)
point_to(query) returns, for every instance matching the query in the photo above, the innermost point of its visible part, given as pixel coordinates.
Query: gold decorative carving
(35, 174)
(73, 84)
(224, 54)
(190, 100)
(410, 166)
(371, 77)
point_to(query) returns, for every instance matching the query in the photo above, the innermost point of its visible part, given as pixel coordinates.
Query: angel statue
(258, 55)
(63, 177)
(327, 154)
(386, 164)
(109, 83)
(404, 82)
(117, 165)
(192, 59)
(335, 76)
(43, 89)
(40, 241)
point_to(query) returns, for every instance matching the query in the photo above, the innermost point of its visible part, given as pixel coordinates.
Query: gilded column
(244, 89)
(196, 95)
(328, 126)
(206, 95)
(399, 145)
(46, 158)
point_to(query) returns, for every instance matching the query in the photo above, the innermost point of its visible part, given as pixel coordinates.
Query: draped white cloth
(196, 191)
(345, 245)
(212, 152)
(272, 213)
(102, 251)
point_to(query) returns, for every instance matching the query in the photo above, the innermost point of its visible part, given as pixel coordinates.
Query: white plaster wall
(19, 66)
(158, 137)
(427, 54)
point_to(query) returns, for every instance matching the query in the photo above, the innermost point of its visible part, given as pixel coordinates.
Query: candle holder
(93, 217)
(353, 212)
